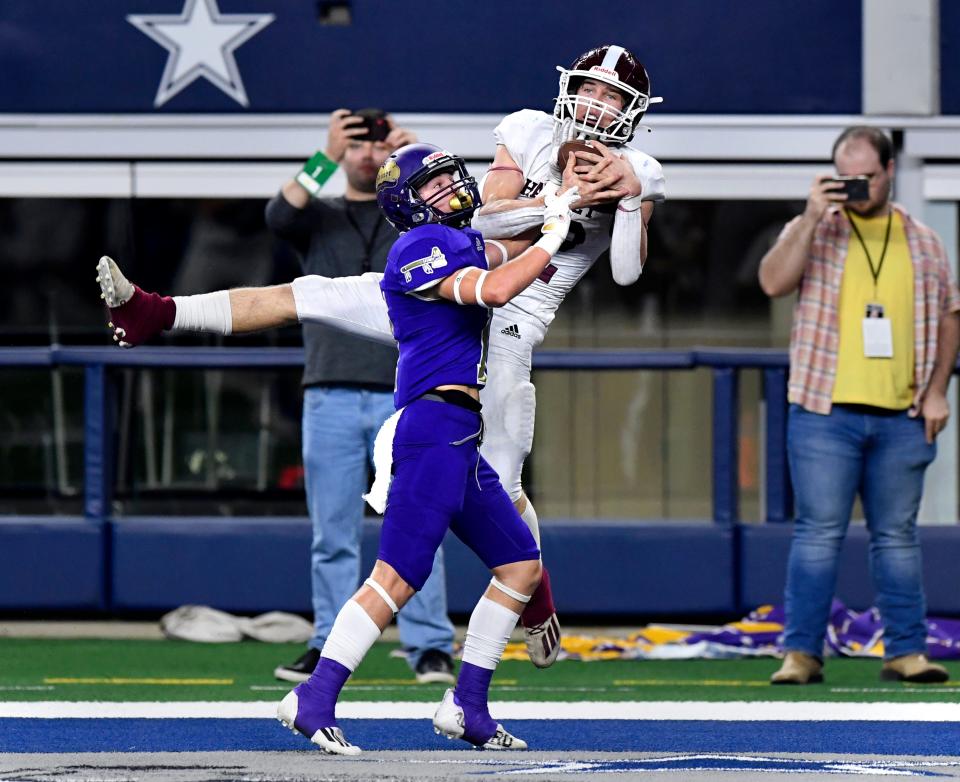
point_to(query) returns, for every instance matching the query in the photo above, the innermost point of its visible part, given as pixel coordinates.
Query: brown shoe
(798, 668)
(913, 668)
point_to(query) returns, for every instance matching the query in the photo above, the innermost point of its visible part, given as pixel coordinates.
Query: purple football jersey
(441, 342)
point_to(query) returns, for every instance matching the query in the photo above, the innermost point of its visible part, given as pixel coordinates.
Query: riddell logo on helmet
(442, 153)
(603, 71)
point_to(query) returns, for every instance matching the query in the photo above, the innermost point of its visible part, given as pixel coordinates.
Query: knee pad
(510, 442)
(519, 414)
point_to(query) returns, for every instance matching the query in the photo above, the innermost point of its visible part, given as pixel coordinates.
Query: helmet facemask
(461, 194)
(612, 125)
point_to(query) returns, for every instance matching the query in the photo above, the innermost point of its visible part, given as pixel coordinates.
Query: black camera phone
(857, 188)
(375, 123)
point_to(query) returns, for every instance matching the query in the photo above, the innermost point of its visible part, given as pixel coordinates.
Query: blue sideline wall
(245, 566)
(704, 57)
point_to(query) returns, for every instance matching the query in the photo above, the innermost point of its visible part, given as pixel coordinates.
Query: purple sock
(471, 694)
(317, 697)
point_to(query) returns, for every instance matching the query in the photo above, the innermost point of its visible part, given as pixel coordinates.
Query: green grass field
(127, 670)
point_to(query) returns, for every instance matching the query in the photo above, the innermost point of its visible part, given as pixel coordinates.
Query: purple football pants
(440, 481)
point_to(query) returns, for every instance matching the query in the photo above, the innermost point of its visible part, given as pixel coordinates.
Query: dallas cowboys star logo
(201, 42)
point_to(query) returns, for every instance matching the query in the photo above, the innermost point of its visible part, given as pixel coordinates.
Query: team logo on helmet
(389, 172)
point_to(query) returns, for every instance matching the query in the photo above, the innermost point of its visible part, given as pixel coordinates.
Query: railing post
(726, 434)
(779, 489)
(97, 444)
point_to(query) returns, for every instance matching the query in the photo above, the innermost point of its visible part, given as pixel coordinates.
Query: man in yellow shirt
(874, 341)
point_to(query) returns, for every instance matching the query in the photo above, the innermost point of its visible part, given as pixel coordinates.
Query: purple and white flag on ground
(760, 634)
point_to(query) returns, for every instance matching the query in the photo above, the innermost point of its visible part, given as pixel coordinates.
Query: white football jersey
(528, 137)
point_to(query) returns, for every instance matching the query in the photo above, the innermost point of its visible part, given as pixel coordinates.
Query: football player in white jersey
(602, 98)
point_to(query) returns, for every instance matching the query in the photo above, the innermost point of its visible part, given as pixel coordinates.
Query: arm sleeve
(509, 223)
(353, 305)
(626, 262)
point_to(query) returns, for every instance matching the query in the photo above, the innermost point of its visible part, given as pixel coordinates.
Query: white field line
(731, 711)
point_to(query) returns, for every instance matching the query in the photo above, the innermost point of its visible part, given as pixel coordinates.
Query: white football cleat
(449, 721)
(543, 642)
(330, 739)
(115, 289)
(503, 740)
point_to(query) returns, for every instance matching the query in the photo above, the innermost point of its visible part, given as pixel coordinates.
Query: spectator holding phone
(348, 386)
(874, 340)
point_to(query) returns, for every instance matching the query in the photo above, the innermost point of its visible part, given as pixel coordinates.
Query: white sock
(352, 635)
(529, 517)
(487, 634)
(208, 312)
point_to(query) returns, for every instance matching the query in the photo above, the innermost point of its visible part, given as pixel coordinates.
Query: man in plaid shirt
(874, 340)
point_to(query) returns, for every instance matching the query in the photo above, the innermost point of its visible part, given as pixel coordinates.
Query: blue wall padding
(763, 566)
(629, 567)
(752, 57)
(51, 563)
(949, 57)
(262, 564)
(246, 565)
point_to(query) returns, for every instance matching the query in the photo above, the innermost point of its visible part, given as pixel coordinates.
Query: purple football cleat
(298, 713)
(453, 721)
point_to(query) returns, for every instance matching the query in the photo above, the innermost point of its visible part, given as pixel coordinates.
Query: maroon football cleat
(541, 628)
(135, 315)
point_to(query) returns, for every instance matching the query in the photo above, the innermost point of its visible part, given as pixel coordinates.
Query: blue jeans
(339, 429)
(832, 457)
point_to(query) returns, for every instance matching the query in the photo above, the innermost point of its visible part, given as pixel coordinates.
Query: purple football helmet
(410, 167)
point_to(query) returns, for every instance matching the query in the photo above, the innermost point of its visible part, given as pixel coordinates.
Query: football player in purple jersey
(440, 289)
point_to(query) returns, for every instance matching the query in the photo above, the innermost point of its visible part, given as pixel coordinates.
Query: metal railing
(725, 365)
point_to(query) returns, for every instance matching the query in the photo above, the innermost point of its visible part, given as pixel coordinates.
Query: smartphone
(857, 188)
(375, 123)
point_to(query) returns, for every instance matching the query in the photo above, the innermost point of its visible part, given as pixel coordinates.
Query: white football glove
(556, 219)
(563, 131)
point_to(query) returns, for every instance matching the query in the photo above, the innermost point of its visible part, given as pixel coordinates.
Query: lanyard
(369, 242)
(883, 253)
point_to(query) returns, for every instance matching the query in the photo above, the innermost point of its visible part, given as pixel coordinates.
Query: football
(569, 147)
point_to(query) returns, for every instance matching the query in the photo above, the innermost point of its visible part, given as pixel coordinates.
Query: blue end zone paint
(211, 735)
